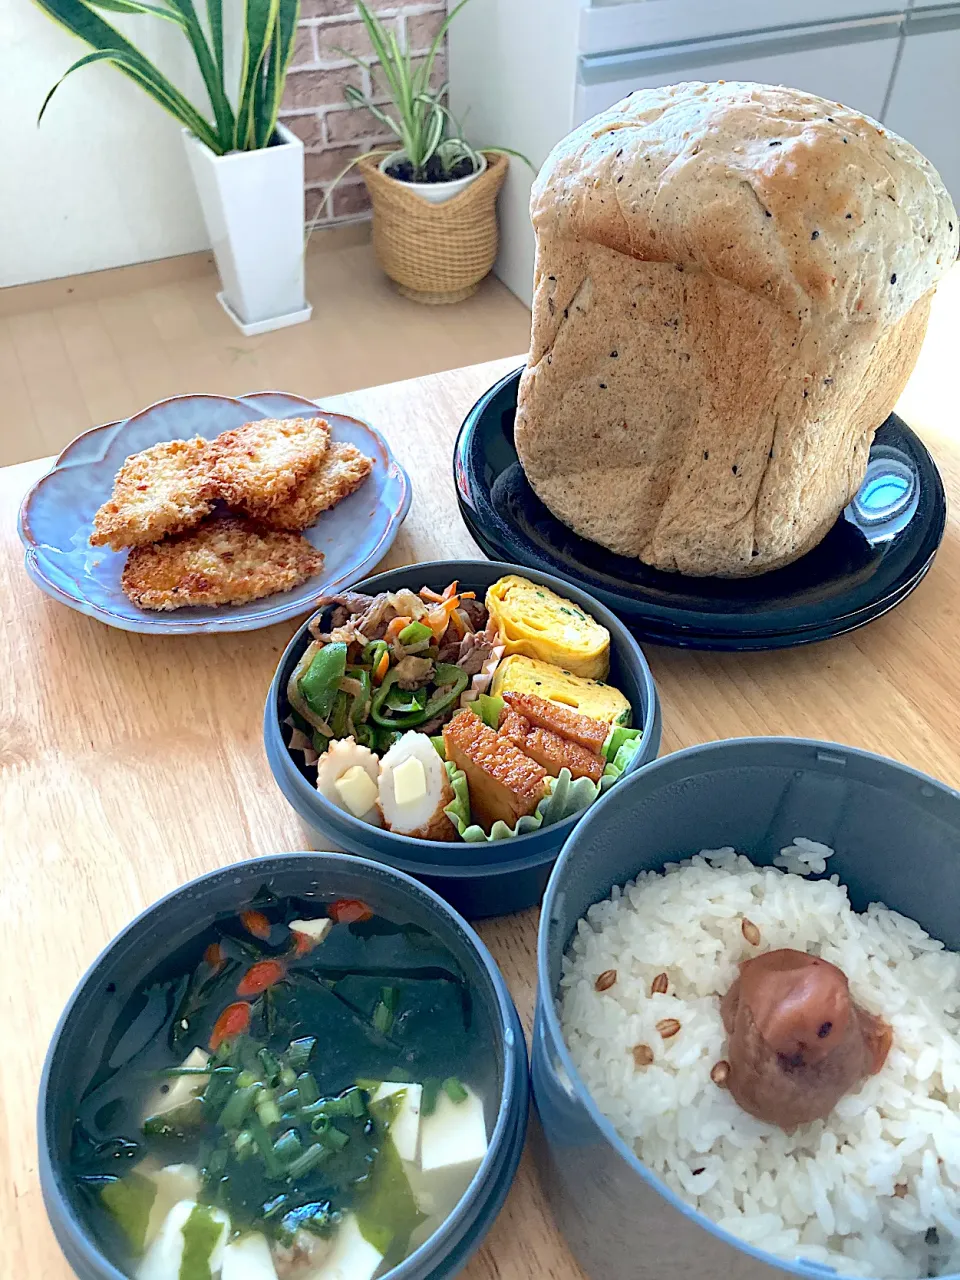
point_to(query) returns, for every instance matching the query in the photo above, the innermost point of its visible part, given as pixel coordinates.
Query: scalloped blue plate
(56, 516)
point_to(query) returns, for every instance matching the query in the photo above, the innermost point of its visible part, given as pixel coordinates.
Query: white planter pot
(252, 204)
(434, 192)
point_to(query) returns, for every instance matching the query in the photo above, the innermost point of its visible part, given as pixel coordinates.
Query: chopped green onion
(299, 1051)
(288, 1146)
(184, 1071)
(357, 1103)
(288, 1077)
(245, 1079)
(307, 1089)
(220, 1087)
(319, 1125)
(289, 1101)
(390, 997)
(242, 1142)
(268, 1111)
(265, 1147)
(454, 1089)
(382, 1019)
(217, 1162)
(270, 1065)
(335, 1138)
(309, 1160)
(239, 1106)
(428, 1099)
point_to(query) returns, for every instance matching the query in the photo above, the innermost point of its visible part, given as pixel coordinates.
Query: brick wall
(313, 104)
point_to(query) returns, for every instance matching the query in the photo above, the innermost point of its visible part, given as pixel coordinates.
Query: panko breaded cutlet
(163, 490)
(229, 560)
(343, 469)
(257, 466)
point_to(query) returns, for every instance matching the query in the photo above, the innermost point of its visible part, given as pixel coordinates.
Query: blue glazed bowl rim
(408, 848)
(546, 1003)
(514, 1091)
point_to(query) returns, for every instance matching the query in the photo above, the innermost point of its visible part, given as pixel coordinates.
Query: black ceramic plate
(878, 551)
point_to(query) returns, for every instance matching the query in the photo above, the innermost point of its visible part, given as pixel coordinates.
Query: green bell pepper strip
(338, 716)
(450, 681)
(414, 633)
(365, 736)
(319, 683)
(404, 700)
(385, 738)
(373, 651)
(361, 701)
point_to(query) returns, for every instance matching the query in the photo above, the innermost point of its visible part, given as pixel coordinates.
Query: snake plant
(269, 30)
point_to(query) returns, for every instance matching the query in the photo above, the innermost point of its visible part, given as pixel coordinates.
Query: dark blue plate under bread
(876, 554)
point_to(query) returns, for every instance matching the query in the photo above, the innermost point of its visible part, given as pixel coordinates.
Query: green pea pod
(414, 633)
(319, 683)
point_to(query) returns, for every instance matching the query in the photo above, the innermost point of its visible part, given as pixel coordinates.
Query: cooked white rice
(873, 1190)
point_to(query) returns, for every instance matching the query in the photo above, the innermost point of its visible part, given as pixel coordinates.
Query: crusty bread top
(785, 194)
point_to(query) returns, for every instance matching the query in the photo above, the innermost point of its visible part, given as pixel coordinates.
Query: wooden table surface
(130, 764)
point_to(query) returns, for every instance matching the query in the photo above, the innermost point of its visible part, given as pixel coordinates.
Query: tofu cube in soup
(352, 1257)
(454, 1134)
(404, 1120)
(179, 1091)
(174, 1182)
(198, 1227)
(248, 1258)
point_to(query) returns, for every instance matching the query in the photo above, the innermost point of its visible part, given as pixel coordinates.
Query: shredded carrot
(234, 1021)
(395, 627)
(303, 943)
(213, 956)
(457, 623)
(263, 974)
(450, 590)
(382, 667)
(468, 595)
(255, 922)
(430, 596)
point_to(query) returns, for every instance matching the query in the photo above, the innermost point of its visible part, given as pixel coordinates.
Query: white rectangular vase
(252, 204)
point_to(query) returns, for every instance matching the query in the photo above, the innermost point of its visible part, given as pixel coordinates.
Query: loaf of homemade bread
(732, 286)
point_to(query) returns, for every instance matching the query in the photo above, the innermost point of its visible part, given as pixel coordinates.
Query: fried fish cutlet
(259, 465)
(342, 470)
(163, 490)
(226, 561)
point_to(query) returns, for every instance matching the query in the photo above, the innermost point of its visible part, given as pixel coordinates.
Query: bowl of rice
(704, 863)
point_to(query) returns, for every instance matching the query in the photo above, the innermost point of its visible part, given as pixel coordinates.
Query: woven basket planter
(435, 253)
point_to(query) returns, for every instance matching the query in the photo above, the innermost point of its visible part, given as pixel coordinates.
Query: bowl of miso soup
(303, 1067)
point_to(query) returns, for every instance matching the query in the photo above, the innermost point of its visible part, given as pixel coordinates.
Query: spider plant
(269, 28)
(417, 115)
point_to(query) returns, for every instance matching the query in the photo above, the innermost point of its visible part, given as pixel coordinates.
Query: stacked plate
(877, 553)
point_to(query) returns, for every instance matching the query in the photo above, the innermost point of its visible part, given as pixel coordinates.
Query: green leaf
(259, 21)
(210, 69)
(111, 46)
(215, 20)
(281, 52)
(133, 6)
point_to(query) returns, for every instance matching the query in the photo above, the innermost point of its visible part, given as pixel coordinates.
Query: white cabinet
(849, 62)
(925, 103)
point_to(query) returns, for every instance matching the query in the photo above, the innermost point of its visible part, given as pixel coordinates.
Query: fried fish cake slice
(590, 734)
(342, 470)
(259, 465)
(228, 560)
(504, 783)
(160, 491)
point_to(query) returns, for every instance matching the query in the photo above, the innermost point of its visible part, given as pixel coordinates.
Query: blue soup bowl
(486, 879)
(896, 836)
(100, 999)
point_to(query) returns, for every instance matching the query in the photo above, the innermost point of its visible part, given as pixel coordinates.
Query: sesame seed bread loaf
(732, 286)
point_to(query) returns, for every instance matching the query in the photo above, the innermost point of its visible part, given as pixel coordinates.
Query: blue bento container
(94, 1007)
(896, 836)
(477, 879)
